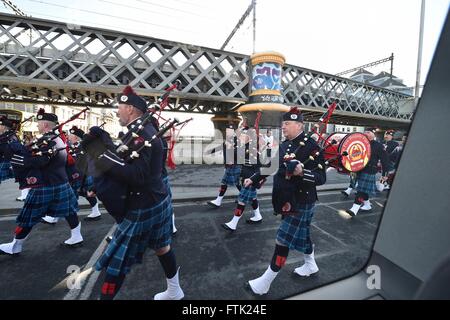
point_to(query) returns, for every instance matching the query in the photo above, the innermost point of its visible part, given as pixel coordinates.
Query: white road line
(378, 203)
(11, 217)
(330, 235)
(86, 273)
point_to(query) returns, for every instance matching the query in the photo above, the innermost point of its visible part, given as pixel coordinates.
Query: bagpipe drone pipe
(27, 159)
(98, 143)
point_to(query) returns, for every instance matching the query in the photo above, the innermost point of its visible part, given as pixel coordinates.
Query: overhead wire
(114, 16)
(194, 4)
(172, 8)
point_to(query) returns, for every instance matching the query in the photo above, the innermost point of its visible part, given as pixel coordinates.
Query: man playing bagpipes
(366, 178)
(232, 170)
(9, 144)
(248, 153)
(7, 136)
(43, 169)
(79, 179)
(128, 180)
(301, 169)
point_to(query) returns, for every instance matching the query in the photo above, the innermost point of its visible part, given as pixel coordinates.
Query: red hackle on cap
(128, 90)
(41, 111)
(294, 110)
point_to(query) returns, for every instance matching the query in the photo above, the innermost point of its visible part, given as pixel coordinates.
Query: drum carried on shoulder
(346, 152)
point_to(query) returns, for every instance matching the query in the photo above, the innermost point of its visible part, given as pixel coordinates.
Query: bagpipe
(97, 144)
(37, 151)
(46, 145)
(75, 150)
(8, 135)
(157, 108)
(133, 141)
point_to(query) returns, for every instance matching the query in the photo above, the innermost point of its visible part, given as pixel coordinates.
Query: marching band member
(79, 179)
(366, 178)
(390, 147)
(249, 167)
(294, 196)
(395, 158)
(147, 214)
(6, 137)
(9, 139)
(45, 173)
(232, 169)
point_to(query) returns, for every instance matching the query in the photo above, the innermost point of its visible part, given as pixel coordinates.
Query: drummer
(366, 178)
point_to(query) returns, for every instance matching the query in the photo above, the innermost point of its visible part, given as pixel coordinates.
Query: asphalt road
(215, 263)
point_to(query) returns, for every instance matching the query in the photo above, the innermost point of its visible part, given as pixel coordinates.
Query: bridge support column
(223, 120)
(265, 96)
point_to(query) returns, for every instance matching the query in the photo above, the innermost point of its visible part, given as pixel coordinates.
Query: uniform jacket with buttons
(140, 178)
(41, 170)
(298, 189)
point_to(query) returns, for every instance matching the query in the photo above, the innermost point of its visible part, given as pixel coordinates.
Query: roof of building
(361, 71)
(391, 83)
(383, 74)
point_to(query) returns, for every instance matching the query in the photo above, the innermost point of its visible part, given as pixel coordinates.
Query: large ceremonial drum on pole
(347, 152)
(266, 90)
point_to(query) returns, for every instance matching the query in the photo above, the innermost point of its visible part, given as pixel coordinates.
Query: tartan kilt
(366, 183)
(231, 175)
(6, 171)
(246, 195)
(167, 184)
(139, 229)
(88, 185)
(56, 201)
(294, 231)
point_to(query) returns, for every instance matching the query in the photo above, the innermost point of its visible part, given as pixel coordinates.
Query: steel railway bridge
(50, 62)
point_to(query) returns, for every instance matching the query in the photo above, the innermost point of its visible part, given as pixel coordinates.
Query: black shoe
(350, 212)
(250, 221)
(49, 223)
(224, 225)
(345, 194)
(108, 239)
(210, 203)
(75, 245)
(92, 219)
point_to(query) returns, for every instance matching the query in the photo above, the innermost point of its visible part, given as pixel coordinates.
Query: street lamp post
(419, 55)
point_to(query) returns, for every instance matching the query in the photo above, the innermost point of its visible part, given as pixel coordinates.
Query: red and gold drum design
(347, 152)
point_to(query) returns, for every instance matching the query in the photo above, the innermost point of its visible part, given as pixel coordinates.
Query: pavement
(215, 263)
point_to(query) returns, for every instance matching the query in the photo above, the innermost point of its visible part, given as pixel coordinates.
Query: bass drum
(347, 152)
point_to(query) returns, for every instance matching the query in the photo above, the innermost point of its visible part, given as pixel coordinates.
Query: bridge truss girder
(49, 62)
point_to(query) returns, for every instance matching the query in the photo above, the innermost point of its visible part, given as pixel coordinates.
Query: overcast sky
(324, 35)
